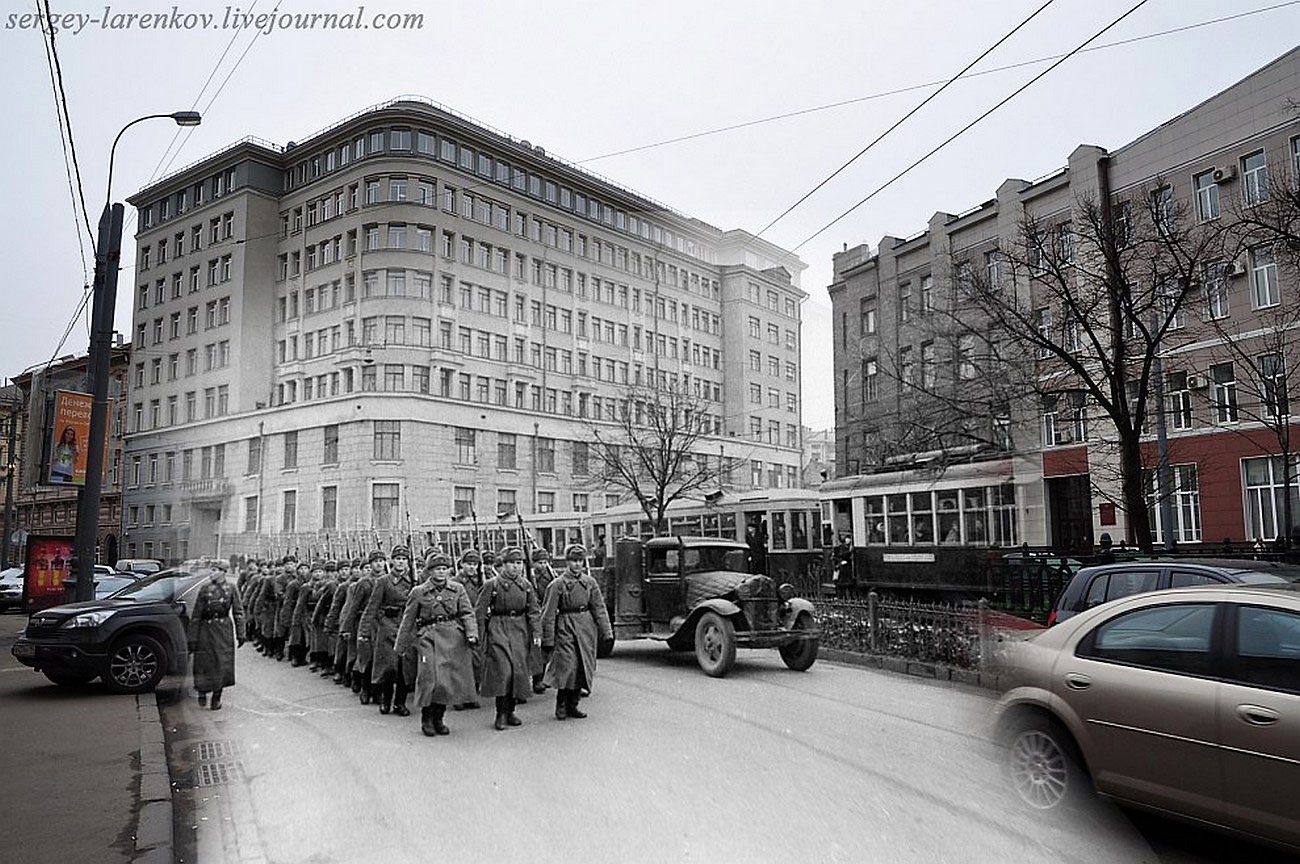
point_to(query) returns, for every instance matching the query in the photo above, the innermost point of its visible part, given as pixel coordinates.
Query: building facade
(409, 317)
(1039, 468)
(40, 509)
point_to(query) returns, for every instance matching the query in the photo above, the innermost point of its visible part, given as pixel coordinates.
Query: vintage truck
(697, 593)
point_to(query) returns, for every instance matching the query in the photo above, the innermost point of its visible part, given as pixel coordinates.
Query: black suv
(1092, 586)
(131, 639)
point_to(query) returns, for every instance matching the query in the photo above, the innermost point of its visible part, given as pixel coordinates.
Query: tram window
(922, 517)
(1004, 514)
(816, 538)
(711, 524)
(899, 530)
(778, 530)
(875, 507)
(798, 529)
(977, 517)
(729, 526)
(949, 518)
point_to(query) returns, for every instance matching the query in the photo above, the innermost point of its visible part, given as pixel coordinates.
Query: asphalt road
(835, 764)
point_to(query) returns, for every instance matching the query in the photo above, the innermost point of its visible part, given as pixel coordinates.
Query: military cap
(575, 552)
(472, 556)
(400, 552)
(377, 555)
(436, 559)
(512, 553)
(540, 554)
(318, 564)
(357, 562)
(331, 567)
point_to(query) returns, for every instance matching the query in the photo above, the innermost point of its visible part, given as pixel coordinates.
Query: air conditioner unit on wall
(1238, 268)
(1226, 174)
(1195, 382)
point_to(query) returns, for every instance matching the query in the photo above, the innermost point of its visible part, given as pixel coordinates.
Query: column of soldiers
(504, 627)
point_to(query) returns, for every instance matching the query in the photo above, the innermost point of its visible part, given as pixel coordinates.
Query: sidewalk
(83, 773)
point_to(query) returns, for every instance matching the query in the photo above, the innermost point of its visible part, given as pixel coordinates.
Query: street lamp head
(187, 118)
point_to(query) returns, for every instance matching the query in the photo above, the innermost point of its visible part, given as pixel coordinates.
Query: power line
(900, 121)
(968, 126)
(912, 87)
(53, 53)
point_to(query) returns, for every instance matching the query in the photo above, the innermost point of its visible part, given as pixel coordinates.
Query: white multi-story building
(409, 316)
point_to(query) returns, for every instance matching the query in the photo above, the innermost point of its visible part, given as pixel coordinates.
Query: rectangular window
(1254, 178)
(289, 513)
(546, 455)
(385, 499)
(388, 440)
(250, 513)
(254, 455)
(1264, 291)
(291, 449)
(1265, 487)
(1207, 196)
(329, 507)
(507, 451)
(462, 501)
(1225, 393)
(1272, 385)
(331, 453)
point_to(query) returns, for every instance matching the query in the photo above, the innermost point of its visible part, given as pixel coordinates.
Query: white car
(11, 589)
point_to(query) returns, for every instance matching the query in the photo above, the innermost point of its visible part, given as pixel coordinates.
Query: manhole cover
(216, 773)
(212, 751)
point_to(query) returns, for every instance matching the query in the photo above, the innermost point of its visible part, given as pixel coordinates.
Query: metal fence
(950, 634)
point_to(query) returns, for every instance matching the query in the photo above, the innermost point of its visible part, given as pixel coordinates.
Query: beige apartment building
(409, 317)
(1038, 470)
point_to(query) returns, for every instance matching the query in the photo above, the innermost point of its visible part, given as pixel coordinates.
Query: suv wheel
(715, 644)
(135, 665)
(1041, 764)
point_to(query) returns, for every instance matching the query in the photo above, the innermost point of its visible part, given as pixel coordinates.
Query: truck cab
(697, 593)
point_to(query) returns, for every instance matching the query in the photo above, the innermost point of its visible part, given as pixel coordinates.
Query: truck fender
(722, 606)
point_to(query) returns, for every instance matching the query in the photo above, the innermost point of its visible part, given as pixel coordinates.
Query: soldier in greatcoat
(470, 574)
(383, 615)
(573, 619)
(509, 619)
(216, 626)
(542, 574)
(268, 602)
(337, 646)
(438, 623)
(321, 655)
(377, 562)
(248, 599)
(296, 635)
(284, 614)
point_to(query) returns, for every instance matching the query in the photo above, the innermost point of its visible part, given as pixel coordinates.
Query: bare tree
(654, 449)
(1075, 312)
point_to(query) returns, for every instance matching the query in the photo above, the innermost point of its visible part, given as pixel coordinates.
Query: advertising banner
(69, 439)
(49, 562)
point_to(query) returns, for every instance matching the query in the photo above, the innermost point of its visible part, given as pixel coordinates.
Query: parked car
(1184, 701)
(1092, 586)
(143, 566)
(697, 592)
(11, 589)
(107, 581)
(131, 639)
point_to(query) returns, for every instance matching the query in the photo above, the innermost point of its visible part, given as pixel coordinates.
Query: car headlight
(89, 619)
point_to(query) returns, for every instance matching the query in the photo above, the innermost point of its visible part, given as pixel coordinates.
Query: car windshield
(167, 585)
(715, 558)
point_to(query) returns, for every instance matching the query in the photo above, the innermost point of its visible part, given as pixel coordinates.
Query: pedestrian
(543, 574)
(470, 575)
(438, 625)
(573, 619)
(509, 619)
(383, 615)
(216, 627)
(362, 668)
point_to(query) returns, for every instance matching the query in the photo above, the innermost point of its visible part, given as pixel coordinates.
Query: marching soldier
(510, 620)
(284, 615)
(268, 603)
(322, 648)
(383, 614)
(470, 575)
(438, 622)
(248, 598)
(542, 574)
(216, 625)
(365, 660)
(573, 619)
(338, 646)
(299, 637)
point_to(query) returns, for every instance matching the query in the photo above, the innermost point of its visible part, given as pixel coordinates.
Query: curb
(153, 829)
(904, 666)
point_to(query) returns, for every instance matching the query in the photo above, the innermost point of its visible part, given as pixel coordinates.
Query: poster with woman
(69, 436)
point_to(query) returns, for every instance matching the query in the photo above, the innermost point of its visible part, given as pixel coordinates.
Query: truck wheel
(801, 655)
(715, 644)
(135, 665)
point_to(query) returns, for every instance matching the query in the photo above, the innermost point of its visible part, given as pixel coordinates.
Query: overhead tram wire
(53, 53)
(1022, 88)
(901, 120)
(912, 87)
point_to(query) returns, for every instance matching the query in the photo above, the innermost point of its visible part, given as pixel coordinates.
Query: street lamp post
(108, 251)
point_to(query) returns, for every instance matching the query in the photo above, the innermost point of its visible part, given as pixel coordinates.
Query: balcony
(213, 489)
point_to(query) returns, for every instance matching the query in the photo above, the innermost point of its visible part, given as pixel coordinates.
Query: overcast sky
(587, 79)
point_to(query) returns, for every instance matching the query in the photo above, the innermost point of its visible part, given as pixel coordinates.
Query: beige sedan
(1185, 701)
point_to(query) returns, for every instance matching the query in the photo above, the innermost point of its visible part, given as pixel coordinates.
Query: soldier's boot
(314, 657)
(399, 702)
(339, 678)
(561, 704)
(385, 698)
(499, 723)
(355, 677)
(511, 718)
(296, 655)
(203, 700)
(366, 691)
(426, 721)
(573, 710)
(439, 711)
(216, 700)
(538, 685)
